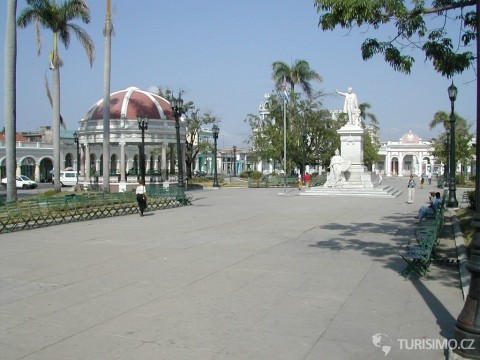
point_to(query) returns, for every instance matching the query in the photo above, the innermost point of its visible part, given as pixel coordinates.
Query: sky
(220, 52)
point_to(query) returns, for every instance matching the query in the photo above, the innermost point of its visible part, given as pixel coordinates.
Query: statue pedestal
(357, 176)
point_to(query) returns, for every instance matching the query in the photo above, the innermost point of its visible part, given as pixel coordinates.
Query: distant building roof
(18, 137)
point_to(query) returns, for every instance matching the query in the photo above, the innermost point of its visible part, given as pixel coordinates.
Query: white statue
(338, 166)
(351, 106)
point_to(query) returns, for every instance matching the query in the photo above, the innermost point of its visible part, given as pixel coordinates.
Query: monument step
(375, 192)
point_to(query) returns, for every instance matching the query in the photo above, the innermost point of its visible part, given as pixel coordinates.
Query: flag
(285, 93)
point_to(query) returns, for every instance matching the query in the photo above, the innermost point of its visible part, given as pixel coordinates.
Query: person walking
(429, 177)
(141, 193)
(411, 190)
(422, 181)
(308, 177)
(299, 182)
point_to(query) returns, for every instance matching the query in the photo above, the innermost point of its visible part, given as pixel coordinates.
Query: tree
(10, 98)
(57, 18)
(412, 31)
(312, 135)
(195, 120)
(449, 57)
(107, 64)
(464, 151)
(299, 73)
(194, 144)
(371, 143)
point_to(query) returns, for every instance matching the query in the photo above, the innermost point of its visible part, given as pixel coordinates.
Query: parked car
(22, 182)
(67, 178)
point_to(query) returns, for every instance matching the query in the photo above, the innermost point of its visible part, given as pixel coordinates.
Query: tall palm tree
(299, 73)
(57, 18)
(10, 98)
(364, 114)
(107, 62)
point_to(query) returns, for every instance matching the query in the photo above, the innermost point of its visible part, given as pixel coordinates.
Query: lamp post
(75, 138)
(177, 108)
(234, 161)
(446, 179)
(452, 200)
(304, 152)
(142, 125)
(215, 131)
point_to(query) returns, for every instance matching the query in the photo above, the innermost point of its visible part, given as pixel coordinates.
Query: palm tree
(107, 62)
(364, 114)
(299, 73)
(57, 18)
(10, 98)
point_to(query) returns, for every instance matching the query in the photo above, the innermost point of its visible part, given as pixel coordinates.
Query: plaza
(240, 274)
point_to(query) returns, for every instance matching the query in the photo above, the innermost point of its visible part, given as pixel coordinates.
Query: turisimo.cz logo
(383, 342)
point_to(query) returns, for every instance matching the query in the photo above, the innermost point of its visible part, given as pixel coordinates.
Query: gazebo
(127, 107)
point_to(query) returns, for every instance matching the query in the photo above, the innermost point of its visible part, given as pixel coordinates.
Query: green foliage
(195, 120)
(464, 151)
(412, 32)
(256, 175)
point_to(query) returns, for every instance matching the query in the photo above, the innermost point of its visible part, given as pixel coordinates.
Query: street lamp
(142, 125)
(75, 138)
(446, 180)
(452, 200)
(177, 108)
(234, 160)
(215, 131)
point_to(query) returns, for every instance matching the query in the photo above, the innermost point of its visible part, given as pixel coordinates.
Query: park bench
(272, 182)
(465, 199)
(40, 212)
(420, 254)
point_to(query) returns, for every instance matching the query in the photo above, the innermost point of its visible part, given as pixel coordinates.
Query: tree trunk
(10, 98)
(106, 99)
(56, 119)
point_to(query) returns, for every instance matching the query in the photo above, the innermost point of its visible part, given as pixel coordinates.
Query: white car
(23, 182)
(67, 178)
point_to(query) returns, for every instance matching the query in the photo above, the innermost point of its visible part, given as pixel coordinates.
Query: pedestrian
(433, 206)
(422, 181)
(299, 182)
(308, 177)
(411, 190)
(141, 192)
(429, 177)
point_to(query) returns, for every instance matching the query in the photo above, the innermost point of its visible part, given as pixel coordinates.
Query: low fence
(47, 211)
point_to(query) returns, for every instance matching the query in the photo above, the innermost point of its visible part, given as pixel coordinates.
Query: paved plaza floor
(242, 274)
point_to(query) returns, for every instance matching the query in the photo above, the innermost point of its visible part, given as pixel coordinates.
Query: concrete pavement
(241, 274)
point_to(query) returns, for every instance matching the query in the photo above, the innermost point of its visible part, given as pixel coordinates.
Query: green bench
(40, 212)
(273, 182)
(419, 255)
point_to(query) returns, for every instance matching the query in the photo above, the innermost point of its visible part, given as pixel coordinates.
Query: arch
(46, 168)
(27, 167)
(394, 165)
(3, 167)
(92, 164)
(113, 164)
(410, 164)
(68, 161)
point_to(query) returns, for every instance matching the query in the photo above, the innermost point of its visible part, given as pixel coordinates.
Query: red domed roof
(410, 138)
(132, 103)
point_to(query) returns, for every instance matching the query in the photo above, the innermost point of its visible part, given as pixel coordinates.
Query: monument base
(357, 177)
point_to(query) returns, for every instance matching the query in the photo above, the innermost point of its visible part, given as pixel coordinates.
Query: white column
(87, 163)
(37, 172)
(164, 161)
(122, 161)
